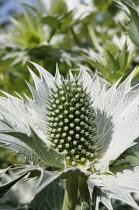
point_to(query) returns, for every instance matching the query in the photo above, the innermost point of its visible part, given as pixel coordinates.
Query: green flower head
(58, 7)
(72, 122)
(79, 126)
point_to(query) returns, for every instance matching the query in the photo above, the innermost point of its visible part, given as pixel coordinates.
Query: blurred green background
(103, 35)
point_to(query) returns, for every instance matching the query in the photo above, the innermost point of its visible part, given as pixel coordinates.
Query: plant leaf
(133, 27)
(4, 170)
(112, 63)
(52, 21)
(4, 188)
(49, 176)
(117, 186)
(51, 197)
(122, 104)
(123, 58)
(102, 4)
(43, 151)
(26, 122)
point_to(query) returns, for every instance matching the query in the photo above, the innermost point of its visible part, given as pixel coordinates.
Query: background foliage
(100, 34)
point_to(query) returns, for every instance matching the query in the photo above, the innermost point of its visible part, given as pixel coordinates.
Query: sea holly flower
(79, 126)
(58, 7)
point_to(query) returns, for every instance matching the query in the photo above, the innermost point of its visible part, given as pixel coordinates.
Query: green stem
(71, 194)
(93, 37)
(75, 37)
(50, 36)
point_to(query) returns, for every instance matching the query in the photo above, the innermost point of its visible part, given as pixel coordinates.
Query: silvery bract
(79, 126)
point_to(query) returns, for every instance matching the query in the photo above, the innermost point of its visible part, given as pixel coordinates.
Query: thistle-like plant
(81, 128)
(58, 7)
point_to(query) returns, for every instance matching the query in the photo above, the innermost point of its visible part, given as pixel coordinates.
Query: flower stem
(75, 37)
(71, 194)
(51, 34)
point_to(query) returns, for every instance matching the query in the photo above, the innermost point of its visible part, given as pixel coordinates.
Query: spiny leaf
(4, 188)
(21, 149)
(123, 58)
(112, 63)
(45, 152)
(133, 27)
(49, 176)
(117, 186)
(3, 170)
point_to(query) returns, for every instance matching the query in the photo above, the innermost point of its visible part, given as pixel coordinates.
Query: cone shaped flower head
(59, 7)
(71, 122)
(78, 125)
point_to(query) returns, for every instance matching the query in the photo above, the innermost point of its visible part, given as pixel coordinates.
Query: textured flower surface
(79, 126)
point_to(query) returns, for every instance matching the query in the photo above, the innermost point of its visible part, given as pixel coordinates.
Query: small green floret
(71, 122)
(59, 7)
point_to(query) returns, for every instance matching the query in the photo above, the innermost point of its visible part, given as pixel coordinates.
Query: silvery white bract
(78, 125)
(17, 194)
